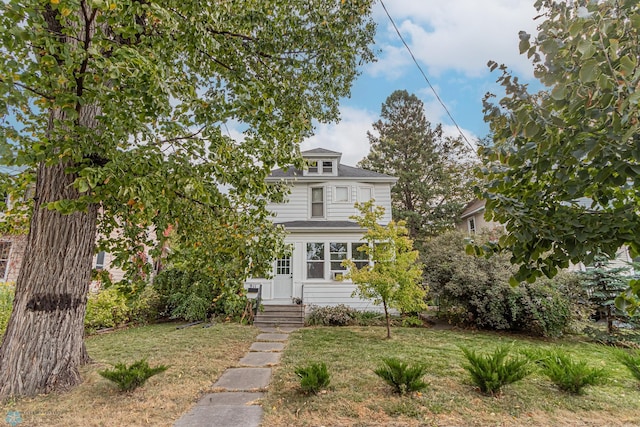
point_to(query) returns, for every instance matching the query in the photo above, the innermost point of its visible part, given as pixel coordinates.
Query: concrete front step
(291, 315)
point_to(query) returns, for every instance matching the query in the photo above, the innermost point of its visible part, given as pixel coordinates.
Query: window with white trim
(100, 260)
(5, 251)
(337, 253)
(315, 260)
(317, 202)
(312, 166)
(472, 225)
(365, 194)
(359, 257)
(327, 167)
(341, 195)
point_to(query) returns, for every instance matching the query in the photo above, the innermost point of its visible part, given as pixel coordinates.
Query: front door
(282, 282)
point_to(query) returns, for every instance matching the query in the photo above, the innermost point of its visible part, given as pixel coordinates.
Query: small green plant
(128, 378)
(412, 322)
(569, 375)
(631, 360)
(404, 378)
(492, 372)
(314, 377)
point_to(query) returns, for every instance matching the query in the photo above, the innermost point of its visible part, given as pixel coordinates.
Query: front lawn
(357, 397)
(196, 357)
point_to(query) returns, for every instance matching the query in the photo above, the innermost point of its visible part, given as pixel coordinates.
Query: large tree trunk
(43, 345)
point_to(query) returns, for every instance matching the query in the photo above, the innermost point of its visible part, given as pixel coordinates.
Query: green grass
(358, 397)
(196, 357)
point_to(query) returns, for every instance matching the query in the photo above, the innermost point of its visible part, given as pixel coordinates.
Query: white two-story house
(320, 232)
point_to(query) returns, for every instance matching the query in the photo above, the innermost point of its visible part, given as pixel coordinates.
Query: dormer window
(313, 166)
(327, 167)
(320, 167)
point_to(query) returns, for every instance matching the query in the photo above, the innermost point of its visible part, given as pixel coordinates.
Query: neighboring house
(320, 233)
(472, 221)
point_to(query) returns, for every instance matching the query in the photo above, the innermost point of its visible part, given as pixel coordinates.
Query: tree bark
(388, 318)
(43, 344)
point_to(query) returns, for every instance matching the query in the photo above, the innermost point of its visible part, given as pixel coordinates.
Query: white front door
(282, 282)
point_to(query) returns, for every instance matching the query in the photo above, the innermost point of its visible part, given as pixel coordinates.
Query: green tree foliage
(603, 284)
(120, 109)
(433, 179)
(564, 170)
(394, 279)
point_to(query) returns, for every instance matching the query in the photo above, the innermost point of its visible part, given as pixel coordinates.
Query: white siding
(329, 295)
(297, 207)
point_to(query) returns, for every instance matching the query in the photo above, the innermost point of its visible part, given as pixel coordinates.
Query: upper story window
(327, 167)
(100, 260)
(472, 225)
(365, 194)
(317, 202)
(320, 167)
(313, 166)
(341, 194)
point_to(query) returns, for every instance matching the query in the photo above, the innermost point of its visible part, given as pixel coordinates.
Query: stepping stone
(280, 329)
(260, 359)
(272, 337)
(266, 346)
(244, 379)
(224, 410)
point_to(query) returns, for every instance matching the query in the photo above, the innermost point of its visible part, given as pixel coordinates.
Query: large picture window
(5, 250)
(315, 260)
(317, 202)
(337, 253)
(360, 258)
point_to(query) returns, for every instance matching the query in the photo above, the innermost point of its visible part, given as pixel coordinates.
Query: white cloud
(348, 137)
(456, 35)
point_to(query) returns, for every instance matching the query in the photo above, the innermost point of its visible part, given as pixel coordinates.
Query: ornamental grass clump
(493, 371)
(128, 378)
(631, 361)
(404, 378)
(314, 377)
(569, 375)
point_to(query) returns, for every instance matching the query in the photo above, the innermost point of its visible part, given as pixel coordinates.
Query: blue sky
(452, 40)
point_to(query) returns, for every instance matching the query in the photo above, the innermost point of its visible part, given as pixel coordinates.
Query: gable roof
(472, 207)
(321, 151)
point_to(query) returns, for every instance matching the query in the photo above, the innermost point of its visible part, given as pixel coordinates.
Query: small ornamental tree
(394, 278)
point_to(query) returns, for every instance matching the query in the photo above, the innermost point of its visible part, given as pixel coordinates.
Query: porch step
(291, 315)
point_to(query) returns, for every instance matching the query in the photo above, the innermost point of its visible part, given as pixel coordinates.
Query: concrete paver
(244, 379)
(230, 409)
(272, 337)
(267, 346)
(260, 358)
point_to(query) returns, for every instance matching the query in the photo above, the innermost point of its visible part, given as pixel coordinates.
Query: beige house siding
(16, 254)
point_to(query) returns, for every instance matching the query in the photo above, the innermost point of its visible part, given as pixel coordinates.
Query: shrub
(631, 361)
(369, 318)
(6, 305)
(314, 377)
(492, 372)
(339, 315)
(146, 307)
(404, 378)
(106, 309)
(193, 295)
(128, 378)
(412, 322)
(475, 291)
(567, 374)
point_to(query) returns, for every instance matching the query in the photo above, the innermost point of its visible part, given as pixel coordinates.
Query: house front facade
(320, 232)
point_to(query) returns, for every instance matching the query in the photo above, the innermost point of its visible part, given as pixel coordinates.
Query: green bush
(567, 374)
(192, 295)
(146, 307)
(631, 360)
(128, 378)
(369, 318)
(339, 315)
(106, 309)
(6, 305)
(314, 377)
(404, 378)
(475, 291)
(492, 372)
(412, 322)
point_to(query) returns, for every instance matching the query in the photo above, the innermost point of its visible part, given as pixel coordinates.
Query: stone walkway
(236, 393)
